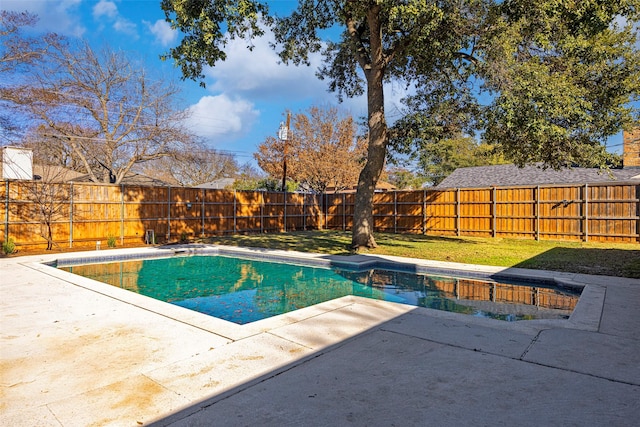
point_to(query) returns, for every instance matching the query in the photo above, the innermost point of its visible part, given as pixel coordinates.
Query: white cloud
(162, 32)
(254, 79)
(105, 8)
(126, 27)
(221, 117)
(258, 73)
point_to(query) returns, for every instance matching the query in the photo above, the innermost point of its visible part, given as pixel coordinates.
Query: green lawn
(590, 258)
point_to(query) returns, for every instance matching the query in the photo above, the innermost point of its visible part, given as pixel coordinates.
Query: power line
(239, 153)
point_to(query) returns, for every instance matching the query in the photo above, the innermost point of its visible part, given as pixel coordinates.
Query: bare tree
(49, 202)
(193, 166)
(17, 53)
(104, 109)
(43, 201)
(50, 151)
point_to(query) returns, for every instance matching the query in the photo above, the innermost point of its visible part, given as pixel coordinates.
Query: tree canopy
(547, 80)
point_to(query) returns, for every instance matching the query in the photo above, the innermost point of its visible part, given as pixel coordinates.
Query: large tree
(323, 150)
(549, 80)
(102, 107)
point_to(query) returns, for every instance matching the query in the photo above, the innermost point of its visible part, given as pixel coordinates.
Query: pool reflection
(243, 291)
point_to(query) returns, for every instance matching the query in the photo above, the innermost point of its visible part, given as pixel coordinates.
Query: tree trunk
(362, 231)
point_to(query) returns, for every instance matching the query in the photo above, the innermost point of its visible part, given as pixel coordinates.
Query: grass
(609, 259)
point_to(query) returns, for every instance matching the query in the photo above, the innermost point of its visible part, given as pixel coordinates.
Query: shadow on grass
(603, 261)
(326, 242)
(389, 239)
(608, 262)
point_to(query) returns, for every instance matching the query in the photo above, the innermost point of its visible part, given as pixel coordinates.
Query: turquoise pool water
(244, 291)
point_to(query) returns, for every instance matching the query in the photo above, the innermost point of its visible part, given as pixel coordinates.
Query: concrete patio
(75, 352)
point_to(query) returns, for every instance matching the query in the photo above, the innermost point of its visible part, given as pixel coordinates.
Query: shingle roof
(218, 184)
(511, 175)
(54, 173)
(130, 178)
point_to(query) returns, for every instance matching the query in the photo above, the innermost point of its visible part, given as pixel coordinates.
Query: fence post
(493, 212)
(235, 211)
(424, 212)
(262, 212)
(537, 209)
(457, 211)
(169, 214)
(71, 215)
(395, 212)
(344, 212)
(585, 225)
(6, 212)
(121, 214)
(326, 211)
(316, 204)
(284, 195)
(202, 194)
(304, 211)
(638, 212)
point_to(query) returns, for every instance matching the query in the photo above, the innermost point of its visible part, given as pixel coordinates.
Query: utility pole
(283, 134)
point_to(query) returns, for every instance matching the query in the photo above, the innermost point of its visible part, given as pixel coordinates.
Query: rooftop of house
(130, 178)
(381, 186)
(217, 184)
(512, 175)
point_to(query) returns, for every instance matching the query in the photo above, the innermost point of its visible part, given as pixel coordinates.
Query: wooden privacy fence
(82, 214)
(608, 212)
(89, 213)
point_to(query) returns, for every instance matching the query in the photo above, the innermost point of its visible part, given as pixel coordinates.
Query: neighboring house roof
(380, 187)
(54, 173)
(46, 173)
(130, 178)
(59, 174)
(218, 184)
(511, 175)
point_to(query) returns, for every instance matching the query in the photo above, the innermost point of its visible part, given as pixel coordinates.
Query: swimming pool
(243, 290)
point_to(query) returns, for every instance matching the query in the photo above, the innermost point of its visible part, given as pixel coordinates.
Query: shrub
(9, 246)
(111, 241)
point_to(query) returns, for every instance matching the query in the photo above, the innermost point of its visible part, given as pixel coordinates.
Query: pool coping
(586, 315)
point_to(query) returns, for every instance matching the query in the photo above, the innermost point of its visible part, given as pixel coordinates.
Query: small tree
(439, 160)
(404, 179)
(48, 201)
(248, 178)
(323, 151)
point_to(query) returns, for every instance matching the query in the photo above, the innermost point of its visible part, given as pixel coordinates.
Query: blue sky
(246, 96)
